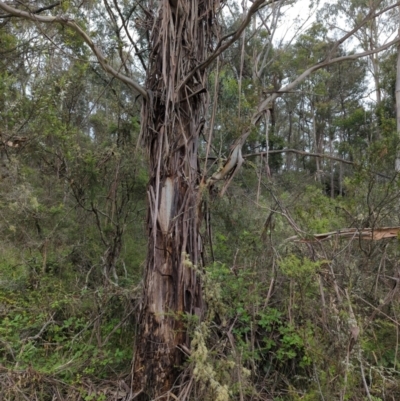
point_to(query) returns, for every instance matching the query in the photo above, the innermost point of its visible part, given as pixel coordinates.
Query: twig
(38, 335)
(363, 375)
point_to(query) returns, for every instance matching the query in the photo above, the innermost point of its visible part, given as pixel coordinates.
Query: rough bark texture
(172, 121)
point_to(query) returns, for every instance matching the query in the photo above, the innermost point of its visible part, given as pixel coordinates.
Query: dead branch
(371, 234)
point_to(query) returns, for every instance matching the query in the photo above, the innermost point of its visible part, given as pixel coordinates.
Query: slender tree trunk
(397, 162)
(172, 120)
(373, 39)
(289, 156)
(332, 169)
(315, 140)
(375, 67)
(111, 256)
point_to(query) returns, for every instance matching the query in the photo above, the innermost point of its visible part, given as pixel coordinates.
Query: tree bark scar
(167, 196)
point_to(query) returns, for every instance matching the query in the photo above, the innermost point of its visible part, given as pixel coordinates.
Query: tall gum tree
(182, 46)
(172, 120)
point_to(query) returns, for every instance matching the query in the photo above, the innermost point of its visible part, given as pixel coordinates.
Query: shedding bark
(172, 121)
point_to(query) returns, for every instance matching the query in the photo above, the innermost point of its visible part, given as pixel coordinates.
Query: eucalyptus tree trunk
(397, 162)
(172, 120)
(373, 36)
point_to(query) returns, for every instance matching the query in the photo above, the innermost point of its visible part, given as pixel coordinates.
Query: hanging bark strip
(172, 121)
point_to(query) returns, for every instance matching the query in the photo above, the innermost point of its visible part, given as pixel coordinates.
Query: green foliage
(298, 269)
(283, 308)
(317, 213)
(57, 329)
(71, 194)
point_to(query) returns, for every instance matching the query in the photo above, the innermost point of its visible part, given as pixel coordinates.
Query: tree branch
(85, 37)
(267, 102)
(300, 152)
(264, 105)
(133, 43)
(257, 5)
(367, 18)
(372, 234)
(321, 155)
(38, 11)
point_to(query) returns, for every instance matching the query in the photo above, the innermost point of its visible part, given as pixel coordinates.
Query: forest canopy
(199, 200)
